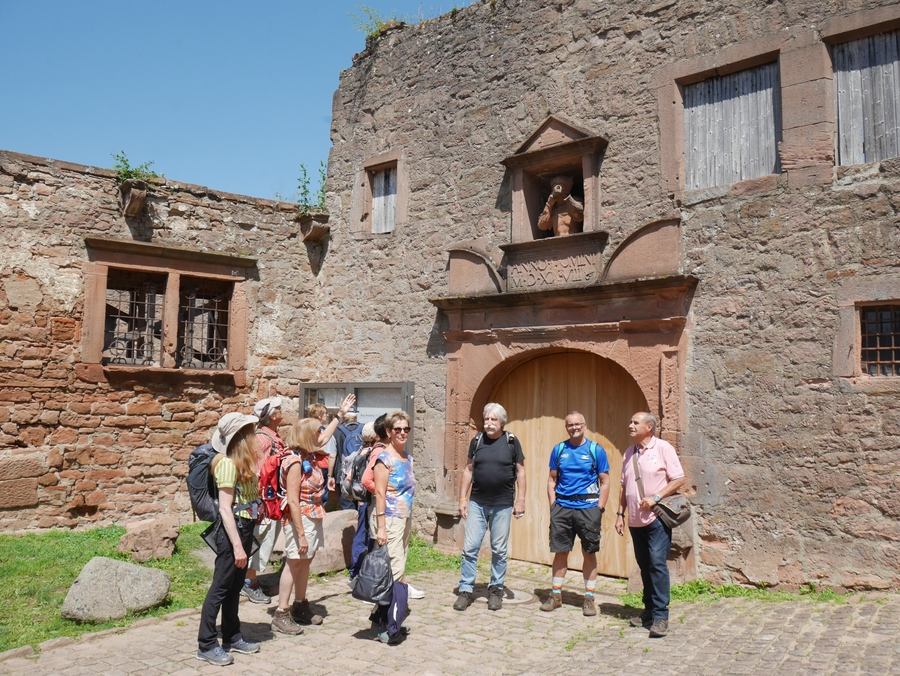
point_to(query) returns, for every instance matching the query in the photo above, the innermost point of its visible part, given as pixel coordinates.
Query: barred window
(203, 323)
(880, 331)
(135, 328)
(134, 309)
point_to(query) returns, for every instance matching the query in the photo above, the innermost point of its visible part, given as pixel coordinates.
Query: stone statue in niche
(563, 213)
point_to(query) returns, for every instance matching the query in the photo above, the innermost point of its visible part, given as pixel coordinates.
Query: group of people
(306, 465)
(492, 491)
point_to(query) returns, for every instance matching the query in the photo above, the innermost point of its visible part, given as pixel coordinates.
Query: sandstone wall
(73, 451)
(793, 466)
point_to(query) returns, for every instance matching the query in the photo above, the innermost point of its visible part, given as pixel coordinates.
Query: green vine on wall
(125, 172)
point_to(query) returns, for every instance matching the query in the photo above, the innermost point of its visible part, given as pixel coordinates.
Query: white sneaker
(415, 593)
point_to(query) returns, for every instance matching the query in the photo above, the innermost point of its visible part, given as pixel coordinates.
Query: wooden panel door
(537, 396)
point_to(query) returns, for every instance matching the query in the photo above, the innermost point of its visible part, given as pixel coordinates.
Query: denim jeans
(479, 520)
(651, 549)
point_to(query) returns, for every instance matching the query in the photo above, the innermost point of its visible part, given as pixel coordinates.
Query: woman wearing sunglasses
(395, 486)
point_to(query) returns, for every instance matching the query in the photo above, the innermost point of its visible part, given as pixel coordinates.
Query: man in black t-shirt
(495, 473)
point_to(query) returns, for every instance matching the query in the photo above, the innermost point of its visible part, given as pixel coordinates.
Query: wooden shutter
(384, 200)
(867, 98)
(732, 126)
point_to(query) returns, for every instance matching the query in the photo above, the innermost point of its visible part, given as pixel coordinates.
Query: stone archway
(537, 395)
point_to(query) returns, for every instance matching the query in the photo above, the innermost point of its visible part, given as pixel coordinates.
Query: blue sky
(231, 95)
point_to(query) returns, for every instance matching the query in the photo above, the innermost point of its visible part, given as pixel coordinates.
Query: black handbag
(672, 510)
(375, 581)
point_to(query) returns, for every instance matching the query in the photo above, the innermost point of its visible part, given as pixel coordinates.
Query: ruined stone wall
(793, 465)
(74, 451)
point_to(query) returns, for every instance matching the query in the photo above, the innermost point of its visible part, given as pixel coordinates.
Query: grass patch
(424, 558)
(700, 590)
(39, 568)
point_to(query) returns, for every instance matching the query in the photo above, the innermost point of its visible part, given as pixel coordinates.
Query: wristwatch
(656, 498)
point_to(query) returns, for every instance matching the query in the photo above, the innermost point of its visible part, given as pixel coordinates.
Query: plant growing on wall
(306, 199)
(132, 183)
(124, 170)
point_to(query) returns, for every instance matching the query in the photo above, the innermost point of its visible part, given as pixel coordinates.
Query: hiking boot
(641, 620)
(659, 628)
(553, 602)
(588, 609)
(241, 646)
(283, 622)
(301, 613)
(255, 594)
(215, 656)
(463, 600)
(495, 598)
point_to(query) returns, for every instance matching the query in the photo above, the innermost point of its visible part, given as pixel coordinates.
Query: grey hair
(654, 423)
(496, 408)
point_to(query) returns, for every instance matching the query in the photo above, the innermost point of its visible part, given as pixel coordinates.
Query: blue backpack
(353, 438)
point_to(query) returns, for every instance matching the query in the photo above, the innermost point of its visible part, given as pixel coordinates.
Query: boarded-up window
(867, 98)
(732, 126)
(384, 199)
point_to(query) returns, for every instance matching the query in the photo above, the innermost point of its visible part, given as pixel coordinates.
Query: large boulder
(339, 527)
(150, 539)
(107, 589)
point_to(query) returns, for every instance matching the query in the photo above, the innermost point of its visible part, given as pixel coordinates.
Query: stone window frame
(852, 295)
(106, 254)
(362, 227)
(806, 150)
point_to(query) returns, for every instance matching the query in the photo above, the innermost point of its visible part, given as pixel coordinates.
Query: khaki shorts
(315, 538)
(398, 531)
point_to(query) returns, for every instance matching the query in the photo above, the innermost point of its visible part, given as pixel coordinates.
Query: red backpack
(270, 489)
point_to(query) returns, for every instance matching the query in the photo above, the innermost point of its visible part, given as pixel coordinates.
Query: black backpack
(202, 487)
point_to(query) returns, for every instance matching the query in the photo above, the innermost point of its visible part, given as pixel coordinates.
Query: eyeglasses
(401, 430)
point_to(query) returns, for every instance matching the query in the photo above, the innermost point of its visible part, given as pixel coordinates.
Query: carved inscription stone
(570, 261)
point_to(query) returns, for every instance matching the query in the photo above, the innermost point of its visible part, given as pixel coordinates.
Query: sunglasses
(401, 430)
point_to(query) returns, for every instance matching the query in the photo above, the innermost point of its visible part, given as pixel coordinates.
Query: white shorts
(315, 538)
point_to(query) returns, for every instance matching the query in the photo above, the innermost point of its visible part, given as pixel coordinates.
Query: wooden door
(537, 396)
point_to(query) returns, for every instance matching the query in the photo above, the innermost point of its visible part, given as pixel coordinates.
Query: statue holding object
(563, 213)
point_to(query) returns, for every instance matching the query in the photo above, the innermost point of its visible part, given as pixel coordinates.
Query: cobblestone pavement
(732, 636)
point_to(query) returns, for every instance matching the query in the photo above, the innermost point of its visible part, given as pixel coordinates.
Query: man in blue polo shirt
(578, 489)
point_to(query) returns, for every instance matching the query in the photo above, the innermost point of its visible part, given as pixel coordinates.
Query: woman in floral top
(304, 486)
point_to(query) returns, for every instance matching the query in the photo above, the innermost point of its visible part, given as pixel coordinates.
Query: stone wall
(76, 451)
(792, 465)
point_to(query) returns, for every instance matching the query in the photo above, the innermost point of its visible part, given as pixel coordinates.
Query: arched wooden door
(537, 395)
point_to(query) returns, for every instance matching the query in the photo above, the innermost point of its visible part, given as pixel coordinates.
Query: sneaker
(642, 620)
(495, 598)
(283, 622)
(588, 609)
(463, 600)
(301, 613)
(415, 593)
(553, 602)
(255, 594)
(241, 646)
(659, 628)
(215, 656)
(379, 633)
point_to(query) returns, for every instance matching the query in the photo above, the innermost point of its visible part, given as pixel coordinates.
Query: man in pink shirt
(661, 475)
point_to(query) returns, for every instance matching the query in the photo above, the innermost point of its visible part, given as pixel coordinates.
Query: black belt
(583, 496)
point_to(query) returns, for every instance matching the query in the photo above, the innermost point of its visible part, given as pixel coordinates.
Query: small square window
(880, 332)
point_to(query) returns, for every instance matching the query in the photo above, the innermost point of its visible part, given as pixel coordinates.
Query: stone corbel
(134, 197)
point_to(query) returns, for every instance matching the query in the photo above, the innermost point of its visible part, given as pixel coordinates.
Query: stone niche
(557, 147)
(538, 259)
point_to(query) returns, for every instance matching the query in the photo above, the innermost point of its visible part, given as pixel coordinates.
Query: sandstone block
(339, 528)
(107, 590)
(152, 539)
(18, 493)
(156, 456)
(144, 408)
(20, 468)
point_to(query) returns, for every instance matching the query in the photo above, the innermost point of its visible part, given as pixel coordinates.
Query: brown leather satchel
(673, 510)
